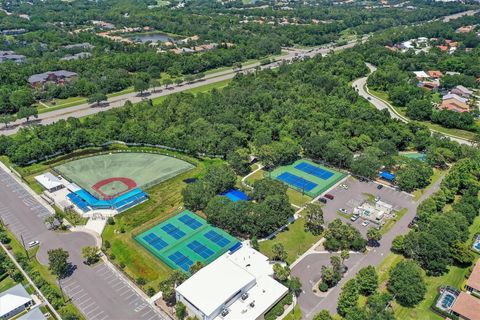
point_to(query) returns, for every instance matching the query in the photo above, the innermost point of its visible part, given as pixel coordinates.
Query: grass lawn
(294, 239)
(390, 222)
(260, 174)
(436, 175)
(6, 284)
(297, 198)
(295, 314)
(165, 201)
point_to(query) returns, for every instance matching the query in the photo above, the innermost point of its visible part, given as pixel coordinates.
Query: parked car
(329, 196)
(379, 186)
(342, 210)
(365, 223)
(377, 199)
(322, 200)
(354, 217)
(32, 244)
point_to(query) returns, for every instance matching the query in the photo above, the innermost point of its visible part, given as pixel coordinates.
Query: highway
(88, 109)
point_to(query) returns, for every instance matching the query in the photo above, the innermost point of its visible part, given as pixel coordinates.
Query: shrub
(323, 287)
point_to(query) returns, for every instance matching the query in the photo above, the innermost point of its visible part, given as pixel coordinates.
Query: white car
(343, 210)
(32, 244)
(365, 223)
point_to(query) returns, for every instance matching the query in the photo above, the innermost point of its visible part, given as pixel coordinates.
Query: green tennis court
(307, 177)
(110, 174)
(184, 239)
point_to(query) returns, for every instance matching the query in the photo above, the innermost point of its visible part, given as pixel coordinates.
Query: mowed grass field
(165, 201)
(295, 240)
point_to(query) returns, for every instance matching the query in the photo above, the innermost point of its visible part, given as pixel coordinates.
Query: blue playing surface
(155, 241)
(217, 238)
(200, 249)
(236, 195)
(181, 260)
(297, 181)
(173, 231)
(314, 171)
(190, 222)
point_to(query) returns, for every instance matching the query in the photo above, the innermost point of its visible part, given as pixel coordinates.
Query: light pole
(24, 247)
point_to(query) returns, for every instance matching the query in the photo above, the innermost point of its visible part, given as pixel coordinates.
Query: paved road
(99, 292)
(459, 15)
(87, 109)
(360, 86)
(372, 257)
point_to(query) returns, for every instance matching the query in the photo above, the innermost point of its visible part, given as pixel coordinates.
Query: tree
(153, 84)
(97, 97)
(237, 66)
(344, 255)
(264, 188)
(180, 310)
(22, 98)
(220, 178)
(141, 82)
(58, 262)
(295, 286)
(419, 110)
(366, 166)
(348, 297)
(279, 252)
(280, 272)
(178, 81)
(90, 254)
(6, 119)
(196, 195)
(239, 160)
(194, 268)
(27, 112)
(373, 236)
(314, 218)
(167, 82)
(254, 243)
(323, 315)
(406, 283)
(367, 280)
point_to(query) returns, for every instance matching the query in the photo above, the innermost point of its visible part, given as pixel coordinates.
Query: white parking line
(95, 309)
(95, 316)
(76, 293)
(116, 284)
(87, 300)
(127, 291)
(88, 306)
(103, 318)
(81, 297)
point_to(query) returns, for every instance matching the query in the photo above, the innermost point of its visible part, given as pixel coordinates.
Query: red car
(329, 196)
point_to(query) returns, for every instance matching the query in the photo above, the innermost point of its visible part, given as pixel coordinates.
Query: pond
(152, 37)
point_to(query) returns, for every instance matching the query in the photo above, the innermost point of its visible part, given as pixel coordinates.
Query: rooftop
(467, 306)
(13, 298)
(474, 279)
(33, 314)
(49, 181)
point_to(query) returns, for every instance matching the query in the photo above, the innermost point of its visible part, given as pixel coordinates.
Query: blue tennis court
(236, 195)
(181, 260)
(200, 249)
(297, 181)
(155, 241)
(314, 171)
(217, 238)
(190, 222)
(173, 231)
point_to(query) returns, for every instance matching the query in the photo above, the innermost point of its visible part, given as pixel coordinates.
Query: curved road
(361, 86)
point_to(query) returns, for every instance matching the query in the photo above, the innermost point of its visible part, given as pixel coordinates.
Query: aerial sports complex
(307, 177)
(116, 181)
(186, 238)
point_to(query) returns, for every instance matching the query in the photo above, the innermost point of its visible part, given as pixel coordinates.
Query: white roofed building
(236, 286)
(13, 301)
(49, 182)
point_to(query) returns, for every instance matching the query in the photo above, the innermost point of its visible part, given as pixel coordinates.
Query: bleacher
(86, 202)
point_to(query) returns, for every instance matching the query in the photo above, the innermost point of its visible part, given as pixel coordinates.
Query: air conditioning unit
(224, 312)
(245, 296)
(252, 304)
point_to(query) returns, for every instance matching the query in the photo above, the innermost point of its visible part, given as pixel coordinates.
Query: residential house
(11, 56)
(13, 32)
(429, 85)
(435, 74)
(454, 105)
(466, 307)
(465, 29)
(421, 75)
(462, 91)
(443, 48)
(454, 96)
(58, 77)
(81, 55)
(13, 301)
(473, 282)
(84, 46)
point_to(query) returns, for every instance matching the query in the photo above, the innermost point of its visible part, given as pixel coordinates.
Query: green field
(179, 240)
(322, 185)
(146, 169)
(294, 239)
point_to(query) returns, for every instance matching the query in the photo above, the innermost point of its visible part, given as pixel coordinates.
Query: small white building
(374, 212)
(13, 301)
(236, 286)
(49, 182)
(383, 206)
(33, 314)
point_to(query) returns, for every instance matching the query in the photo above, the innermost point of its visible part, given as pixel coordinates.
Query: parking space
(100, 292)
(356, 192)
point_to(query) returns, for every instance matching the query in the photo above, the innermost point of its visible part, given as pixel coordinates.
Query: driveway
(311, 304)
(99, 292)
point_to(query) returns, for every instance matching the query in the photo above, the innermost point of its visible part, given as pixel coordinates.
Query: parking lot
(99, 292)
(357, 193)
